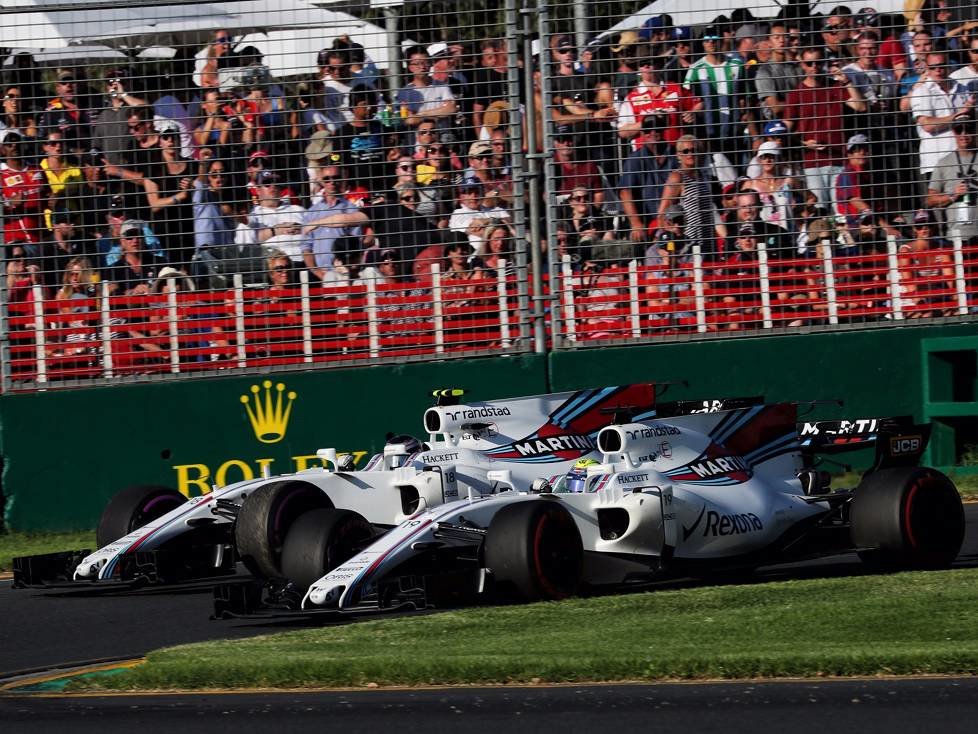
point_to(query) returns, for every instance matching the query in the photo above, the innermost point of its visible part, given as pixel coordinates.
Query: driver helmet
(411, 445)
(577, 477)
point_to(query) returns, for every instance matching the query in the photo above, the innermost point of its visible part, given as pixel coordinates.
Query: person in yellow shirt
(64, 179)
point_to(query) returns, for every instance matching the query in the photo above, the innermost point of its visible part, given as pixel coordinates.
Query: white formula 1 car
(690, 495)
(155, 534)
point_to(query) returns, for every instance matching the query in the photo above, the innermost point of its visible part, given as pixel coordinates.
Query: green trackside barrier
(950, 400)
(66, 452)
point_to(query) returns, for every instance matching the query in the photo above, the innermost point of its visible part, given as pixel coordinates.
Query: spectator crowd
(783, 135)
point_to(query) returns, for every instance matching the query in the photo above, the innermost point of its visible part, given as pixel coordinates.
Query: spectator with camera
(954, 182)
(110, 129)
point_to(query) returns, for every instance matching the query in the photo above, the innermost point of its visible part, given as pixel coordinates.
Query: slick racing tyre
(319, 541)
(535, 548)
(134, 507)
(907, 518)
(264, 521)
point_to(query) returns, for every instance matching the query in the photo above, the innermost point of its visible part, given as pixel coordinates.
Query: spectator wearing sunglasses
(218, 57)
(64, 113)
(329, 220)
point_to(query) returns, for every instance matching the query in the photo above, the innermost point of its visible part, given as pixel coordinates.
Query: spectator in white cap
(853, 188)
(774, 188)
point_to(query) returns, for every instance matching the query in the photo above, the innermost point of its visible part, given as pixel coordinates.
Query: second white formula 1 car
(689, 495)
(154, 534)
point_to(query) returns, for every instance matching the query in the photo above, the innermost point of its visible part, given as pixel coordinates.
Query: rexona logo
(717, 524)
(269, 414)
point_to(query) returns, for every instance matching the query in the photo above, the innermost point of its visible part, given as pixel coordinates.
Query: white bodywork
(517, 440)
(679, 485)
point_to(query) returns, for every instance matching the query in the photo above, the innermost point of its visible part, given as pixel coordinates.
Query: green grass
(29, 544)
(868, 625)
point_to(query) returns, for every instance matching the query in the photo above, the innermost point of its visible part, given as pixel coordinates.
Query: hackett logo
(268, 414)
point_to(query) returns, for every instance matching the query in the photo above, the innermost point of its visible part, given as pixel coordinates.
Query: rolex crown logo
(269, 414)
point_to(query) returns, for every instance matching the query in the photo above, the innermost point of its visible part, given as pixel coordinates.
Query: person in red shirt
(23, 188)
(653, 96)
(814, 112)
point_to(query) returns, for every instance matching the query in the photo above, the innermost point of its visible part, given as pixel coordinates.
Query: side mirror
(328, 456)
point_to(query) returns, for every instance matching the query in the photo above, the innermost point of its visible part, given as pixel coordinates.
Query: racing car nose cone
(325, 597)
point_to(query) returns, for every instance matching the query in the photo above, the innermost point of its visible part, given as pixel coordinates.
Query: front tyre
(319, 541)
(264, 520)
(535, 547)
(134, 507)
(907, 518)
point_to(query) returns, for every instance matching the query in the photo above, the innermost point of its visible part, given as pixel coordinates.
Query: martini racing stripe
(578, 405)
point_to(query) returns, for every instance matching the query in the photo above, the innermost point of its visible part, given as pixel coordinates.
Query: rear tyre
(264, 521)
(535, 548)
(134, 507)
(319, 541)
(907, 518)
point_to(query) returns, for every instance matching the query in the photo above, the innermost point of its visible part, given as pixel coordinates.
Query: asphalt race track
(49, 629)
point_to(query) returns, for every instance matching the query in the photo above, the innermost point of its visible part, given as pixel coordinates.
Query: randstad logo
(269, 415)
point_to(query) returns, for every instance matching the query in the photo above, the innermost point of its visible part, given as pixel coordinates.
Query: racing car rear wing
(898, 440)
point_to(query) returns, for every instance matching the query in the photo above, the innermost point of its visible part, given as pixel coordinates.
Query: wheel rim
(556, 557)
(931, 519)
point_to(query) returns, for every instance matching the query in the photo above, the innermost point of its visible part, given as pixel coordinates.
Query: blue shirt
(320, 241)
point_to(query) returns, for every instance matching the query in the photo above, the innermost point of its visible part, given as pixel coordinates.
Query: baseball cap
(10, 135)
(322, 58)
(652, 25)
(769, 147)
(66, 76)
(131, 228)
(867, 17)
(746, 230)
(438, 49)
(867, 217)
(167, 127)
(319, 146)
(922, 216)
(564, 43)
(626, 39)
(857, 141)
(268, 178)
(775, 127)
(681, 33)
(711, 32)
(480, 147)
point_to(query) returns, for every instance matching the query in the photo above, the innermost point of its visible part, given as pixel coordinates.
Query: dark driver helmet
(577, 477)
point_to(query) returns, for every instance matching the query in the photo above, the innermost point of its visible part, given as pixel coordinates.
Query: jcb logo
(905, 445)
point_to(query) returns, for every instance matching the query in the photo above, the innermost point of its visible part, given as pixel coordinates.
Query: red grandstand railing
(181, 333)
(640, 301)
(178, 333)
